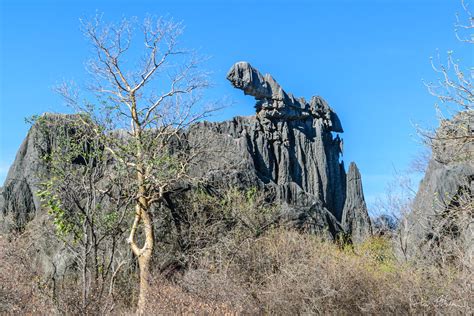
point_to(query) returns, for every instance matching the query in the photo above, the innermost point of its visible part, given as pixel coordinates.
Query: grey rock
(443, 208)
(290, 141)
(313, 219)
(20, 201)
(3, 223)
(287, 150)
(355, 217)
(275, 103)
(2, 199)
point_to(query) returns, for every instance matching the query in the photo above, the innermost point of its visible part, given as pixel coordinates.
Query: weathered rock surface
(443, 206)
(355, 217)
(275, 103)
(20, 203)
(287, 149)
(290, 141)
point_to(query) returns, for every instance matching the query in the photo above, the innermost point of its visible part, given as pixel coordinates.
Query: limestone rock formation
(287, 150)
(443, 208)
(275, 103)
(20, 203)
(355, 217)
(291, 142)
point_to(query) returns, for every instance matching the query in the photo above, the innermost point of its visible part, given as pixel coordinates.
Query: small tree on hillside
(150, 101)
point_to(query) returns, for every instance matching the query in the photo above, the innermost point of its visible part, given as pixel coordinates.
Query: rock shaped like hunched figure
(274, 102)
(294, 149)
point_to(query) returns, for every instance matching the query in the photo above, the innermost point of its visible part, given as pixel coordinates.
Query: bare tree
(150, 101)
(393, 208)
(443, 216)
(454, 90)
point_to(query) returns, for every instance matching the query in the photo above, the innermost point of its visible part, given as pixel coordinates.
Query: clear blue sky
(366, 58)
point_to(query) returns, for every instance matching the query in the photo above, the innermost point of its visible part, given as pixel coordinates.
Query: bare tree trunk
(84, 266)
(144, 264)
(143, 214)
(144, 253)
(133, 98)
(144, 257)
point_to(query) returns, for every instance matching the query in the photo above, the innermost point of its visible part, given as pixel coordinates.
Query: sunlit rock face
(19, 202)
(290, 149)
(355, 219)
(290, 141)
(443, 208)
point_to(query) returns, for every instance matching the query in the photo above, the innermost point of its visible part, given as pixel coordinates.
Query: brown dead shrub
(285, 272)
(245, 269)
(20, 283)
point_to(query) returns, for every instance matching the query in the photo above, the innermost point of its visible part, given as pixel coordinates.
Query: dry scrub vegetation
(277, 272)
(286, 272)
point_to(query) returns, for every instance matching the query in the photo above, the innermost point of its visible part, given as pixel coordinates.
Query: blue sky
(366, 58)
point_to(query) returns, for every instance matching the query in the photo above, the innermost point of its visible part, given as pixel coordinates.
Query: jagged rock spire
(355, 217)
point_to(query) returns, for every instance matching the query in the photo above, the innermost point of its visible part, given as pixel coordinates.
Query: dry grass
(287, 272)
(279, 272)
(25, 291)
(20, 285)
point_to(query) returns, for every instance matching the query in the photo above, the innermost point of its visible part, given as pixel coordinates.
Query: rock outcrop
(443, 209)
(19, 203)
(288, 150)
(291, 143)
(355, 218)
